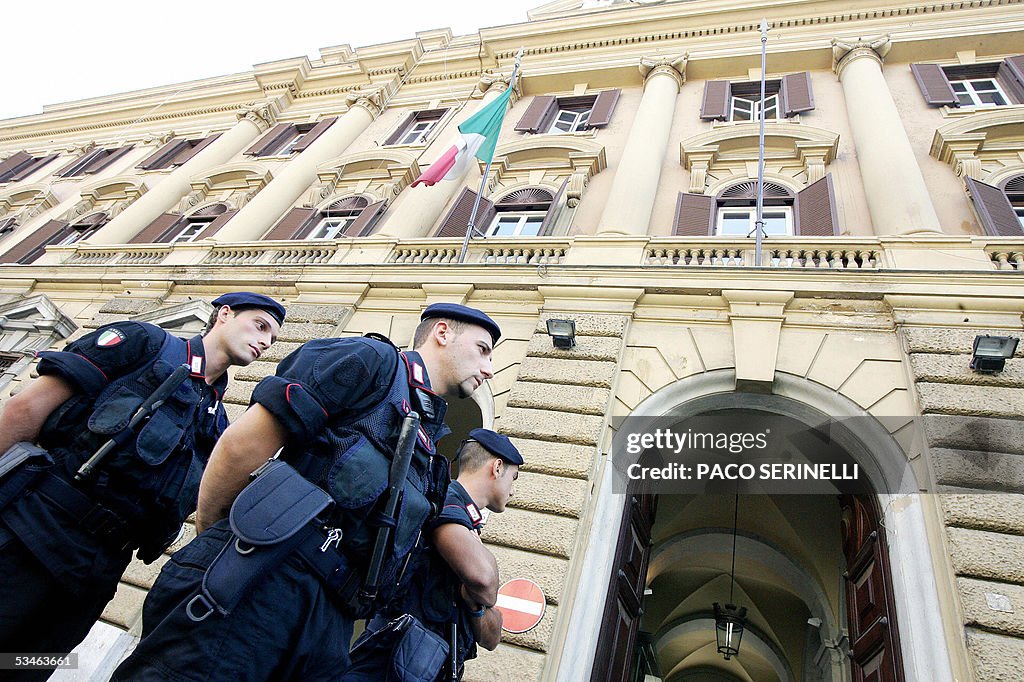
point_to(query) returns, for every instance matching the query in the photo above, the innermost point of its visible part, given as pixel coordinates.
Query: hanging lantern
(729, 624)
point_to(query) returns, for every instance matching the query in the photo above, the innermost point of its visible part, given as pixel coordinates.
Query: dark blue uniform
(432, 596)
(341, 402)
(64, 545)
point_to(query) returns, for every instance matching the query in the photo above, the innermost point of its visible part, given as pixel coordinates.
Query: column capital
(488, 81)
(674, 67)
(262, 114)
(846, 50)
(365, 98)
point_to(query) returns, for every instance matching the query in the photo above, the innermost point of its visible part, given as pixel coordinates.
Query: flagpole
(759, 222)
(471, 228)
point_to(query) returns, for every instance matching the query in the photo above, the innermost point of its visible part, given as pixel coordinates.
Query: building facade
(621, 197)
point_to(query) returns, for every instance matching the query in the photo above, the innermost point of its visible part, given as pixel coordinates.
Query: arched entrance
(814, 570)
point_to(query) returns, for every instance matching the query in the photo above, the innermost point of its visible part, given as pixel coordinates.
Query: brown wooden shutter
(160, 230)
(397, 133)
(12, 162)
(105, 161)
(994, 210)
(797, 95)
(161, 157)
(934, 85)
(63, 171)
(604, 107)
(217, 223)
(364, 222)
(715, 104)
(549, 218)
(186, 155)
(310, 137)
(693, 215)
(1011, 77)
(456, 222)
(292, 223)
(816, 210)
(30, 248)
(542, 109)
(270, 140)
(31, 168)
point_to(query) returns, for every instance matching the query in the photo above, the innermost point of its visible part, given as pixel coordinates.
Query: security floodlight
(992, 352)
(562, 333)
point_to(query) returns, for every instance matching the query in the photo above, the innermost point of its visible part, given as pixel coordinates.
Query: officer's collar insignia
(110, 338)
(197, 359)
(417, 373)
(425, 441)
(474, 514)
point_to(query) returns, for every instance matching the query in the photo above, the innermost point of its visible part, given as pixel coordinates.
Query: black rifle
(396, 481)
(148, 407)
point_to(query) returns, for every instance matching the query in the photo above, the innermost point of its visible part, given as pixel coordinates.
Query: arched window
(353, 216)
(520, 213)
(1000, 210)
(810, 212)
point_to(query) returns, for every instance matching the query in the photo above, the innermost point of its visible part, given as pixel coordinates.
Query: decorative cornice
(845, 51)
(446, 76)
(674, 68)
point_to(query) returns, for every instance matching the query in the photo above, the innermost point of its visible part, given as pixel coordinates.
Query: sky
(57, 51)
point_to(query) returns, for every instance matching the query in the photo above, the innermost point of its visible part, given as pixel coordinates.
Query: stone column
(267, 207)
(252, 121)
(420, 207)
(631, 198)
(897, 196)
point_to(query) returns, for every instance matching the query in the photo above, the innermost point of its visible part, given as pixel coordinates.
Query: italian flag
(479, 138)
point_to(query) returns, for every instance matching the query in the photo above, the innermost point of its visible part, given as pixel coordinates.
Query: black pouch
(416, 653)
(19, 467)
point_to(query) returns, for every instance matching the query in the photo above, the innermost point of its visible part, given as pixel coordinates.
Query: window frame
(343, 224)
(580, 119)
(430, 118)
(722, 208)
(974, 95)
(523, 218)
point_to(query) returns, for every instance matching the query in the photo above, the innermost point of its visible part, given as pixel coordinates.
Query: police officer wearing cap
(67, 533)
(455, 580)
(231, 607)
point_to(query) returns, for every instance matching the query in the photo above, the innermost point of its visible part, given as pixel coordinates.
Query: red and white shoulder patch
(110, 338)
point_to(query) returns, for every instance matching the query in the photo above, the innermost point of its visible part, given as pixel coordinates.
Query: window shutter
(934, 85)
(456, 222)
(797, 96)
(91, 156)
(7, 226)
(816, 210)
(104, 162)
(161, 157)
(271, 139)
(548, 225)
(365, 221)
(31, 168)
(396, 134)
(186, 155)
(715, 104)
(217, 223)
(693, 215)
(31, 247)
(542, 109)
(1011, 76)
(12, 163)
(292, 223)
(604, 107)
(994, 210)
(158, 231)
(318, 130)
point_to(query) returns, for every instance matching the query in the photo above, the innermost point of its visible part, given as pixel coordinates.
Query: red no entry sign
(521, 603)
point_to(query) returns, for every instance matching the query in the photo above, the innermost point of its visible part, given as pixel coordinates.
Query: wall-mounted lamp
(562, 333)
(992, 352)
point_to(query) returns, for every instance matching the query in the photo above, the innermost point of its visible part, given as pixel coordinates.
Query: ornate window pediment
(233, 184)
(983, 144)
(791, 151)
(183, 319)
(380, 173)
(28, 325)
(25, 203)
(547, 159)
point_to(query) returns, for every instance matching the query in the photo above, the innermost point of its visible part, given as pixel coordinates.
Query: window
(353, 216)
(93, 162)
(20, 165)
(190, 231)
(992, 84)
(810, 212)
(286, 139)
(176, 153)
(1000, 211)
(416, 127)
(785, 97)
(54, 233)
(516, 225)
(561, 115)
(526, 212)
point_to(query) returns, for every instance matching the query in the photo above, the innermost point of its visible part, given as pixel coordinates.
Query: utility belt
(412, 651)
(274, 517)
(28, 469)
